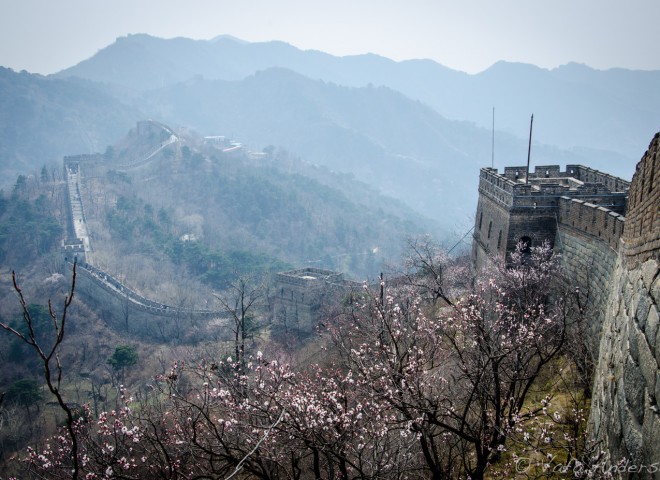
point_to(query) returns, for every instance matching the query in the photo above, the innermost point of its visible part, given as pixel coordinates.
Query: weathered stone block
(647, 363)
(633, 387)
(615, 412)
(649, 271)
(652, 323)
(628, 293)
(632, 437)
(642, 311)
(618, 310)
(655, 290)
(633, 338)
(650, 435)
(634, 276)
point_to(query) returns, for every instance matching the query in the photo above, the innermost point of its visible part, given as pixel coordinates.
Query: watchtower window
(526, 243)
(499, 240)
(481, 217)
(490, 227)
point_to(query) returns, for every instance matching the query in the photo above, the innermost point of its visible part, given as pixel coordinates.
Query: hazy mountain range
(416, 130)
(574, 105)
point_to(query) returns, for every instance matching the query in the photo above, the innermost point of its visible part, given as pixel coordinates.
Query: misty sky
(44, 36)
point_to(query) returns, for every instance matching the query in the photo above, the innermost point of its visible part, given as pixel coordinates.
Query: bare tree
(457, 378)
(49, 356)
(431, 271)
(241, 301)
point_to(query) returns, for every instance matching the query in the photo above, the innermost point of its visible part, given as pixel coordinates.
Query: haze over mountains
(578, 106)
(415, 130)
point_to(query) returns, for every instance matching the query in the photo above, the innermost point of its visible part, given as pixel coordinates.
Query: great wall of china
(608, 232)
(120, 306)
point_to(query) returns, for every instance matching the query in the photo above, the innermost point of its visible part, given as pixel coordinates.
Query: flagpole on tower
(492, 146)
(529, 148)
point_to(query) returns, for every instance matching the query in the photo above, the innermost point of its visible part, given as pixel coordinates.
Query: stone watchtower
(299, 296)
(518, 207)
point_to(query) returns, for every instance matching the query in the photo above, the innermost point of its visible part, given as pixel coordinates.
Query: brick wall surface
(625, 415)
(641, 239)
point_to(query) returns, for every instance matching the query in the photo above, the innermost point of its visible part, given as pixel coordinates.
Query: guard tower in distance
(299, 296)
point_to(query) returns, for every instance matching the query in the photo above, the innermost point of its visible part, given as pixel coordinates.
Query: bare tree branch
(46, 358)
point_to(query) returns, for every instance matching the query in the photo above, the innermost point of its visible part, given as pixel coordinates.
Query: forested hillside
(401, 147)
(239, 214)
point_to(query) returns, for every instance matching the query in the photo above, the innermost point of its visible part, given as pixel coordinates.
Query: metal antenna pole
(492, 146)
(529, 148)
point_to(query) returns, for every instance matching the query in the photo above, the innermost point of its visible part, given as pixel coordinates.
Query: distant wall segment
(127, 311)
(120, 306)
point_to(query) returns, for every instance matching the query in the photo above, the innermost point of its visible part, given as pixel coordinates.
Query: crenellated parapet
(641, 237)
(590, 220)
(516, 206)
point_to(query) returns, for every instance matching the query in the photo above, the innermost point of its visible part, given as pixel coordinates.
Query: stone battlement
(309, 276)
(641, 239)
(588, 219)
(574, 176)
(516, 207)
(510, 188)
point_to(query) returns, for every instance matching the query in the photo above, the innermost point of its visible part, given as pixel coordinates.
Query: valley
(231, 259)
